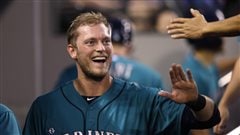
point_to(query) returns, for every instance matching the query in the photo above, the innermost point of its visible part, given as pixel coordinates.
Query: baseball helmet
(121, 30)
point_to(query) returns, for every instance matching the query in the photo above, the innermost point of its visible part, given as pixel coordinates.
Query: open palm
(184, 89)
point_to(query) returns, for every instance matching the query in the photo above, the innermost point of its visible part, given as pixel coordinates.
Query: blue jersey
(123, 68)
(8, 122)
(206, 77)
(133, 71)
(124, 109)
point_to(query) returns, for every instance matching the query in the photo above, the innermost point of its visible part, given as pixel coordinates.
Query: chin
(97, 76)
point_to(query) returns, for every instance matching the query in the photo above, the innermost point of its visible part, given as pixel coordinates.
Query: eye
(107, 41)
(90, 42)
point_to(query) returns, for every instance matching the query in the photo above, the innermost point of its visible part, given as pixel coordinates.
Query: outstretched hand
(184, 89)
(188, 27)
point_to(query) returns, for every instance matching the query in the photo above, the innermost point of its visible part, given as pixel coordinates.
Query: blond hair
(89, 18)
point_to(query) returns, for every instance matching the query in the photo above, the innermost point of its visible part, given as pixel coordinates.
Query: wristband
(197, 105)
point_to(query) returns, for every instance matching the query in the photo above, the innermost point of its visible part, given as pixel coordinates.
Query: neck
(206, 57)
(90, 87)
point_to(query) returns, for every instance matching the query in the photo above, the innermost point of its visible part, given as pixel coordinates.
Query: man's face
(93, 51)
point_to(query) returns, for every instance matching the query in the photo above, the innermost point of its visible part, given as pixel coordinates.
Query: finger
(176, 72)
(173, 71)
(189, 74)
(178, 36)
(195, 13)
(179, 20)
(181, 73)
(165, 94)
(172, 76)
(174, 26)
(175, 31)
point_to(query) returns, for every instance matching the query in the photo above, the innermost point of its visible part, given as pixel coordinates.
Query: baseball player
(122, 66)
(95, 103)
(8, 122)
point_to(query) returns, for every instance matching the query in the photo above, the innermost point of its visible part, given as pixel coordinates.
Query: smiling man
(116, 107)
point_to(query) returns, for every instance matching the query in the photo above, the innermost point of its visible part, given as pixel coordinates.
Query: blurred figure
(122, 65)
(101, 5)
(71, 8)
(163, 18)
(8, 122)
(3, 6)
(141, 12)
(201, 61)
(165, 13)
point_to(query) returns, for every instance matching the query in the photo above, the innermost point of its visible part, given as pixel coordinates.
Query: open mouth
(100, 59)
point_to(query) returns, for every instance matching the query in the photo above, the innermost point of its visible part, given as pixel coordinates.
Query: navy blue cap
(121, 30)
(208, 8)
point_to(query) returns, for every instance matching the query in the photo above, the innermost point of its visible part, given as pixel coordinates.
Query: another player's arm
(231, 94)
(198, 27)
(227, 27)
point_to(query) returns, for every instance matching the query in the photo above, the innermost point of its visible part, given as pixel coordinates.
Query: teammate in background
(122, 66)
(97, 103)
(205, 70)
(8, 122)
(201, 61)
(198, 27)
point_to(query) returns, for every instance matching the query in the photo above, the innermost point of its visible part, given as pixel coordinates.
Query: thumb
(195, 13)
(165, 94)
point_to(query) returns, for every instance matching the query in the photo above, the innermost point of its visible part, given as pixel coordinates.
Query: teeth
(99, 58)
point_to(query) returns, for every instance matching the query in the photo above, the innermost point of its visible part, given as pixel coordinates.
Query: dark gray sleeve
(190, 122)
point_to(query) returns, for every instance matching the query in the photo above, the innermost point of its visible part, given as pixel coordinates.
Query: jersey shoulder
(148, 96)
(138, 90)
(4, 109)
(52, 98)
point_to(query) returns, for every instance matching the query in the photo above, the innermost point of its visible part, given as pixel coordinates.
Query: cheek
(109, 49)
(84, 55)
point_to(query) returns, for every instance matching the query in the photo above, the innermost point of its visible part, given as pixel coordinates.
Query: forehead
(94, 30)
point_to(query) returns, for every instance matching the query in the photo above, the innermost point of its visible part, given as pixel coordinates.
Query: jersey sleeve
(166, 116)
(9, 124)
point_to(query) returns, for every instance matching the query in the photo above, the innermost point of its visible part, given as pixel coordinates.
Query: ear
(72, 51)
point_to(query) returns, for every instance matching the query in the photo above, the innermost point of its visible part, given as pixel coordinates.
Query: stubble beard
(91, 74)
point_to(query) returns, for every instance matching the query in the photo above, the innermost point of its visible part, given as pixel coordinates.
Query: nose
(100, 47)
